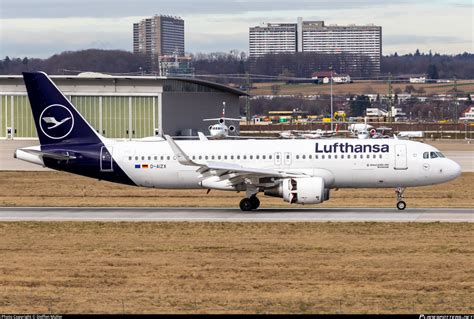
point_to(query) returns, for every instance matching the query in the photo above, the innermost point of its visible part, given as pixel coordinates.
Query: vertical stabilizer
(56, 119)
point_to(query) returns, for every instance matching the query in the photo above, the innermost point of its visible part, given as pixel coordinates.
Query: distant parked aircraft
(221, 130)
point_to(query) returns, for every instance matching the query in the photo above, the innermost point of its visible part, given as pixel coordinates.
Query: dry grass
(63, 189)
(359, 87)
(77, 267)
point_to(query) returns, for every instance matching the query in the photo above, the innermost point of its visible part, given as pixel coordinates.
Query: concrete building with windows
(272, 38)
(123, 107)
(315, 36)
(157, 36)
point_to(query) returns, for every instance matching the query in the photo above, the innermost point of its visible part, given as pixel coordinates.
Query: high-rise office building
(360, 42)
(157, 36)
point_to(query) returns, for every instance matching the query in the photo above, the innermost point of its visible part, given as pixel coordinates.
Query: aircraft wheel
(246, 205)
(401, 205)
(255, 202)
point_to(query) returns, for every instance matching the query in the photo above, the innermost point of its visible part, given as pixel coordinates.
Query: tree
(432, 72)
(409, 89)
(359, 105)
(25, 63)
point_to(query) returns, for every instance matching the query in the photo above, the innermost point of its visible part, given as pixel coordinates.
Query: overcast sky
(41, 28)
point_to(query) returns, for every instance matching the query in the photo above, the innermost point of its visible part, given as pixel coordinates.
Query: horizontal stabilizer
(56, 156)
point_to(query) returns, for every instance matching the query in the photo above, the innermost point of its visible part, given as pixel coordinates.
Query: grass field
(359, 87)
(77, 267)
(63, 189)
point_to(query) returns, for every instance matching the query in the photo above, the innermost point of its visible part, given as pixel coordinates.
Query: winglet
(202, 137)
(181, 156)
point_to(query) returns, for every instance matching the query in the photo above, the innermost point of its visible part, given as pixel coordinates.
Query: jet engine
(300, 190)
(221, 120)
(231, 128)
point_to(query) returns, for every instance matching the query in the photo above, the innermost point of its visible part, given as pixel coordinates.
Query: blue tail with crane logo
(68, 141)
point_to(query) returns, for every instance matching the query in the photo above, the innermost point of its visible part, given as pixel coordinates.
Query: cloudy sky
(41, 28)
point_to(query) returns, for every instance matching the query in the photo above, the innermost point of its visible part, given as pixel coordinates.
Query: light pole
(332, 112)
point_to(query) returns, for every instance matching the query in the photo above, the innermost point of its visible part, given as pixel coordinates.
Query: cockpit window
(433, 155)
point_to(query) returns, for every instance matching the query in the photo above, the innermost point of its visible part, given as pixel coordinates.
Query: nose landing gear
(400, 203)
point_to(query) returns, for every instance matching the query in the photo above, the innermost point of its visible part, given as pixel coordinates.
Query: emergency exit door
(106, 161)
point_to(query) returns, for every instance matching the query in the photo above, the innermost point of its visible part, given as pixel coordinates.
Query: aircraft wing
(222, 118)
(235, 173)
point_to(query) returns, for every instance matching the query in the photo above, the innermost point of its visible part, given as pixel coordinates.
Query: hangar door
(121, 117)
(128, 116)
(19, 117)
(89, 107)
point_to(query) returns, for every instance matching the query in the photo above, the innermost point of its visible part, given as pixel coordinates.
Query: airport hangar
(124, 107)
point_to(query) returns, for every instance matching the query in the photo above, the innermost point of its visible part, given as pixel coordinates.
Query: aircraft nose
(454, 169)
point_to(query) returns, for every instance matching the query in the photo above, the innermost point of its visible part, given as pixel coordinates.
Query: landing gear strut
(248, 204)
(400, 203)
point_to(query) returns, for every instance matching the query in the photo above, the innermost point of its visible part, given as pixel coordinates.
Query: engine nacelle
(301, 190)
(231, 128)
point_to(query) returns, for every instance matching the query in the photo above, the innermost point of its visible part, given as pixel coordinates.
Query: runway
(235, 215)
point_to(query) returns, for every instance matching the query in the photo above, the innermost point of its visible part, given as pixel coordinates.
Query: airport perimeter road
(234, 215)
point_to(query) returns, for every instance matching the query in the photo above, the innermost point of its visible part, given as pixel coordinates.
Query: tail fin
(56, 119)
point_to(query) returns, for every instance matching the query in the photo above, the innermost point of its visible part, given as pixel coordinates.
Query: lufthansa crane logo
(56, 121)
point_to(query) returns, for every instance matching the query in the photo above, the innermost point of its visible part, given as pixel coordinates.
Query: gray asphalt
(235, 215)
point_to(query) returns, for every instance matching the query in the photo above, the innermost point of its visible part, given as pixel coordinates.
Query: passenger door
(401, 157)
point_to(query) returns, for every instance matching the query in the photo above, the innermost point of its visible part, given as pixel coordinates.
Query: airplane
(379, 132)
(355, 128)
(307, 134)
(220, 130)
(298, 171)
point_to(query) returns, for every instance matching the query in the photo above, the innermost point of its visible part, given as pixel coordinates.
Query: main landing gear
(400, 203)
(248, 204)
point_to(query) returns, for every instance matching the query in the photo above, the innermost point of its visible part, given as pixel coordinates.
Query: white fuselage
(349, 163)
